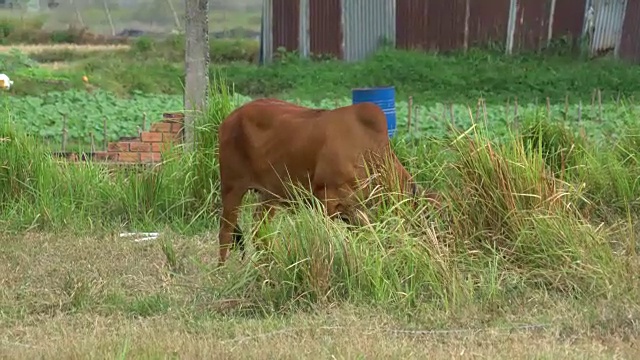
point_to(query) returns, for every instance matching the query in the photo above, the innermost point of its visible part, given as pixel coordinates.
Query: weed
(169, 252)
(144, 306)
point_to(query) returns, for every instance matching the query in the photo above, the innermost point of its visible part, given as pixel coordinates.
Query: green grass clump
(508, 227)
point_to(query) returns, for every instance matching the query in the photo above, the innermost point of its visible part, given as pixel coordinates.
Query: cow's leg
(231, 200)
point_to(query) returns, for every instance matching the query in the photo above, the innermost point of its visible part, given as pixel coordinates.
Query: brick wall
(145, 148)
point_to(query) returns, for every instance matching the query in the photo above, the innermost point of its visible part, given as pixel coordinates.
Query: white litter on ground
(5, 82)
(146, 236)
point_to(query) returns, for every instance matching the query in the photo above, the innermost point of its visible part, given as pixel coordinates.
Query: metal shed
(346, 29)
(352, 30)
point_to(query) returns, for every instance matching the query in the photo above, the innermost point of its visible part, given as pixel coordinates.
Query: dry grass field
(72, 297)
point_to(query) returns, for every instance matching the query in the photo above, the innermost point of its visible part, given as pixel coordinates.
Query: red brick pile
(145, 148)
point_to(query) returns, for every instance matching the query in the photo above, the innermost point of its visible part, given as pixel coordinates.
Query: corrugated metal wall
(440, 24)
(488, 21)
(532, 24)
(411, 24)
(446, 24)
(325, 27)
(568, 18)
(430, 25)
(630, 41)
(609, 16)
(366, 24)
(286, 24)
(317, 26)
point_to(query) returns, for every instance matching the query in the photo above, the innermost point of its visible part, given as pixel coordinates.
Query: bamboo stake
(444, 113)
(93, 145)
(409, 114)
(580, 112)
(548, 109)
(484, 110)
(506, 112)
(64, 133)
(144, 121)
(515, 113)
(453, 117)
(599, 105)
(104, 133)
(582, 130)
(566, 107)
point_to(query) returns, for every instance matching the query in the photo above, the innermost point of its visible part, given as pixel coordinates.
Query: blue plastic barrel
(385, 97)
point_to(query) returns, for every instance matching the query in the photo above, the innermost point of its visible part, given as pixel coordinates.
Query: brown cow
(267, 141)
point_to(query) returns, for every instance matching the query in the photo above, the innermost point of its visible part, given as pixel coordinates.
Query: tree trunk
(196, 65)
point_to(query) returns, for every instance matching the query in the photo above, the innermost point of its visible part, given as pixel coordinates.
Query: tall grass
(508, 227)
(39, 191)
(515, 218)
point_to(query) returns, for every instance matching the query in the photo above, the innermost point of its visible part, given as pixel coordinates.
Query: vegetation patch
(156, 66)
(86, 112)
(456, 77)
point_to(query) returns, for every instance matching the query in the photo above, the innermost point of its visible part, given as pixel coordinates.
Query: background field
(534, 253)
(156, 17)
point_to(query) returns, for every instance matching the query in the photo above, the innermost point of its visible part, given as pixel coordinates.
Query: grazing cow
(266, 144)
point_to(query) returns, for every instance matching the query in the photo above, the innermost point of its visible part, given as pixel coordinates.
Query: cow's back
(266, 141)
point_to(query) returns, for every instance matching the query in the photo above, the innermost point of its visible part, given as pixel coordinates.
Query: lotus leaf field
(85, 112)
